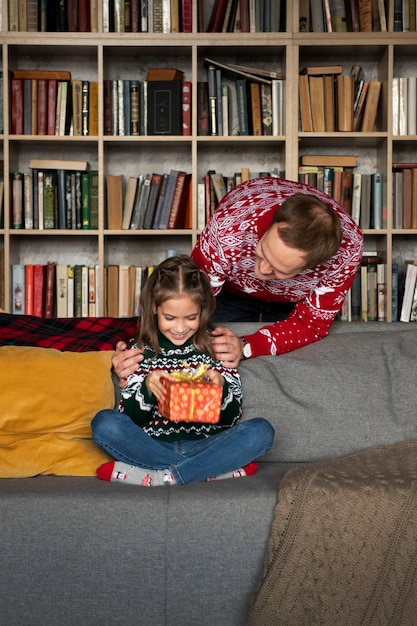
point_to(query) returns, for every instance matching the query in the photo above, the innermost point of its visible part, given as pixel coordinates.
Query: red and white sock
(246, 470)
(129, 474)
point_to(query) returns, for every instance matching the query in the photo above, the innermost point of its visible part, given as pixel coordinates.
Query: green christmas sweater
(142, 407)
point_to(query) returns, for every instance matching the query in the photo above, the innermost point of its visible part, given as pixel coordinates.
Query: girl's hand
(215, 377)
(155, 385)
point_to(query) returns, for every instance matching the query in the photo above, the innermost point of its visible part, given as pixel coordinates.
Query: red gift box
(191, 401)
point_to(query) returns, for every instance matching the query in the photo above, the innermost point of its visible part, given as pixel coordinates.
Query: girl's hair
(176, 276)
(306, 223)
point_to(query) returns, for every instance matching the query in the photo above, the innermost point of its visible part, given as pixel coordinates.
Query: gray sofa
(81, 552)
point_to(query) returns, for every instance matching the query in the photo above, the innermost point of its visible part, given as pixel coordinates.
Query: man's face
(275, 260)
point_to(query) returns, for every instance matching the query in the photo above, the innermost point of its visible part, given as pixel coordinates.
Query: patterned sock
(129, 474)
(246, 470)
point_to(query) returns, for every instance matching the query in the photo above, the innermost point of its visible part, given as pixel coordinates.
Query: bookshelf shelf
(101, 56)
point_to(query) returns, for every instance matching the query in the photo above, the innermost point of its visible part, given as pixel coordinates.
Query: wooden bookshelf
(102, 55)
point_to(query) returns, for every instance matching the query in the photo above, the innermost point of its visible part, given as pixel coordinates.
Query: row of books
(149, 201)
(244, 16)
(360, 194)
(130, 16)
(63, 195)
(404, 105)
(404, 196)
(215, 185)
(59, 290)
(252, 103)
(48, 102)
(48, 197)
(366, 300)
(343, 16)
(148, 107)
(333, 101)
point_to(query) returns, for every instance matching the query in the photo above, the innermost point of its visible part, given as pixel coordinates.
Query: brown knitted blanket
(343, 544)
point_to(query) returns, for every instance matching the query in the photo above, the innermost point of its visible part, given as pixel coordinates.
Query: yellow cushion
(47, 401)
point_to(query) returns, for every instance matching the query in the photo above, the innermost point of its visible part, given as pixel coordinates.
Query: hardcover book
(164, 107)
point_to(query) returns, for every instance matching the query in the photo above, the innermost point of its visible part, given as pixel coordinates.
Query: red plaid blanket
(84, 334)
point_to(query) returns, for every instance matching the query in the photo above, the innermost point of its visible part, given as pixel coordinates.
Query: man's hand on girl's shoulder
(125, 362)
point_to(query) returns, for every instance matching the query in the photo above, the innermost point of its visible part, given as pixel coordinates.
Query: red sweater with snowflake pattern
(226, 252)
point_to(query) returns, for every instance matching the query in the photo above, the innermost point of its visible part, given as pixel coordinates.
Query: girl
(176, 304)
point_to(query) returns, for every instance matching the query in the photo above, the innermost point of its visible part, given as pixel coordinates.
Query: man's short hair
(306, 223)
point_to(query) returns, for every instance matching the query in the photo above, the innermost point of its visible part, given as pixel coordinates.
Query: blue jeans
(188, 461)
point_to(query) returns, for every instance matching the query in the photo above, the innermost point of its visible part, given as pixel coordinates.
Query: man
(276, 251)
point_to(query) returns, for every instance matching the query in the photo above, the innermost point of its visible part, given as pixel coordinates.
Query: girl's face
(178, 319)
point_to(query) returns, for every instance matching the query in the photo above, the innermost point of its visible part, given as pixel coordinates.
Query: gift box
(191, 399)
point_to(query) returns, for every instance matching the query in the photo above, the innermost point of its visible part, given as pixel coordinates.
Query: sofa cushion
(347, 392)
(48, 401)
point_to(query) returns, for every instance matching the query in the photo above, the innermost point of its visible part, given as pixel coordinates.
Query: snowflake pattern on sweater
(142, 407)
(226, 252)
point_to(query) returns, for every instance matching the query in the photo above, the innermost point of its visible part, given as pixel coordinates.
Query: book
(29, 289)
(49, 199)
(234, 71)
(17, 102)
(141, 203)
(18, 289)
(371, 106)
(243, 106)
(305, 108)
(61, 288)
(160, 202)
(56, 164)
(180, 201)
(256, 109)
(365, 212)
(212, 101)
(38, 290)
(317, 16)
(266, 109)
(114, 201)
(129, 201)
(155, 185)
(359, 105)
(365, 15)
(322, 70)
(316, 87)
(219, 185)
(186, 107)
(217, 15)
(202, 108)
(42, 74)
(331, 160)
(17, 200)
(345, 93)
(163, 216)
(409, 288)
(406, 198)
(381, 291)
(356, 197)
(49, 289)
(85, 201)
(329, 103)
(376, 199)
(164, 110)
